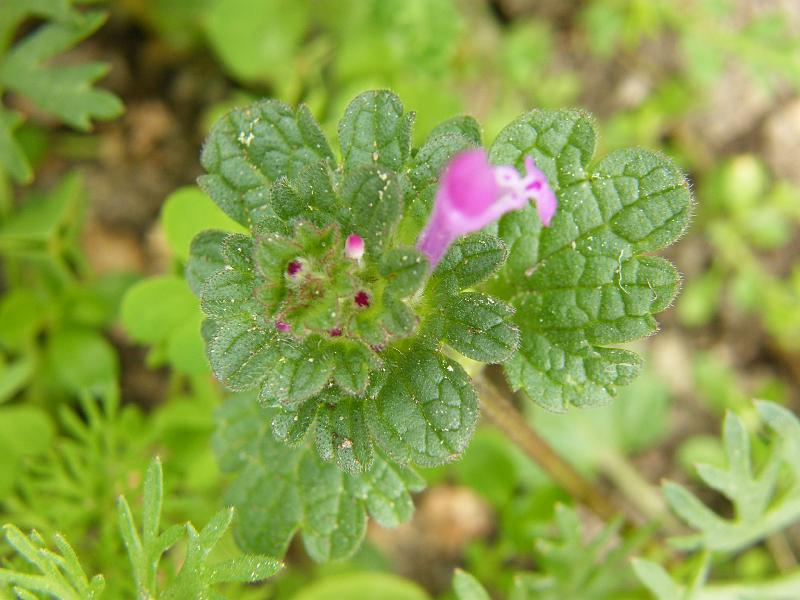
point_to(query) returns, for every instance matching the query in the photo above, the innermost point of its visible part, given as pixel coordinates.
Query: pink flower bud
(362, 299)
(472, 194)
(354, 247)
(293, 268)
(282, 326)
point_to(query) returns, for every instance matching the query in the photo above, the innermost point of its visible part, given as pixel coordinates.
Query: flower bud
(354, 247)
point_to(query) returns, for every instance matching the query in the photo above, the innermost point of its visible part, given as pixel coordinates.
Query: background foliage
(102, 365)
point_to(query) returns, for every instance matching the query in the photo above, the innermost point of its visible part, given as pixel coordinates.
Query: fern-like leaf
(763, 503)
(198, 574)
(66, 91)
(53, 574)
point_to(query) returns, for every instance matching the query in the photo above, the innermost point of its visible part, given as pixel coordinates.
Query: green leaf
(426, 410)
(334, 522)
(65, 91)
(375, 133)
(256, 45)
(82, 360)
(352, 362)
(12, 156)
(657, 580)
(55, 575)
(205, 258)
(342, 434)
(230, 291)
(294, 373)
(187, 212)
(467, 587)
(471, 260)
(374, 199)
(155, 307)
(15, 376)
(572, 564)
(290, 426)
(762, 502)
(367, 585)
(25, 431)
(250, 148)
(405, 269)
(161, 311)
(248, 568)
(241, 352)
(282, 490)
(583, 280)
(48, 222)
(309, 197)
(197, 575)
(480, 328)
(464, 125)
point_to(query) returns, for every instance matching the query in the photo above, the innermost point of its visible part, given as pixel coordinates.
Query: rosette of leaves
(353, 358)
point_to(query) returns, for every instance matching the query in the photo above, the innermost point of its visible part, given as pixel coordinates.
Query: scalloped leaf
(250, 148)
(479, 327)
(280, 491)
(374, 132)
(583, 282)
(426, 411)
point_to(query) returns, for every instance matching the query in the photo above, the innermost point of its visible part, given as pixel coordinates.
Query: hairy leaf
(250, 148)
(375, 132)
(479, 327)
(426, 411)
(57, 575)
(583, 282)
(281, 490)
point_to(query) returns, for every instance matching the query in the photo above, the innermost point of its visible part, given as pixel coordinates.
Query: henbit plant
(363, 348)
(60, 575)
(65, 91)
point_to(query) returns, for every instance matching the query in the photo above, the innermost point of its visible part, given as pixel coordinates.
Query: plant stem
(506, 417)
(640, 493)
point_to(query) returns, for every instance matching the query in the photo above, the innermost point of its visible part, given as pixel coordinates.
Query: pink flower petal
(354, 246)
(469, 182)
(472, 194)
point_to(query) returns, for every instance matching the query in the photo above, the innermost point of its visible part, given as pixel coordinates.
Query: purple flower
(361, 299)
(282, 326)
(354, 246)
(293, 268)
(473, 193)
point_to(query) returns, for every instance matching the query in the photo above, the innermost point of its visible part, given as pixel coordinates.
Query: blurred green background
(101, 362)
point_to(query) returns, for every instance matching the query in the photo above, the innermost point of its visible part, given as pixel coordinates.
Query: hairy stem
(506, 417)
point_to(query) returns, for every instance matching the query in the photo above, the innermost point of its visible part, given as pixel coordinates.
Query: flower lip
(473, 193)
(469, 183)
